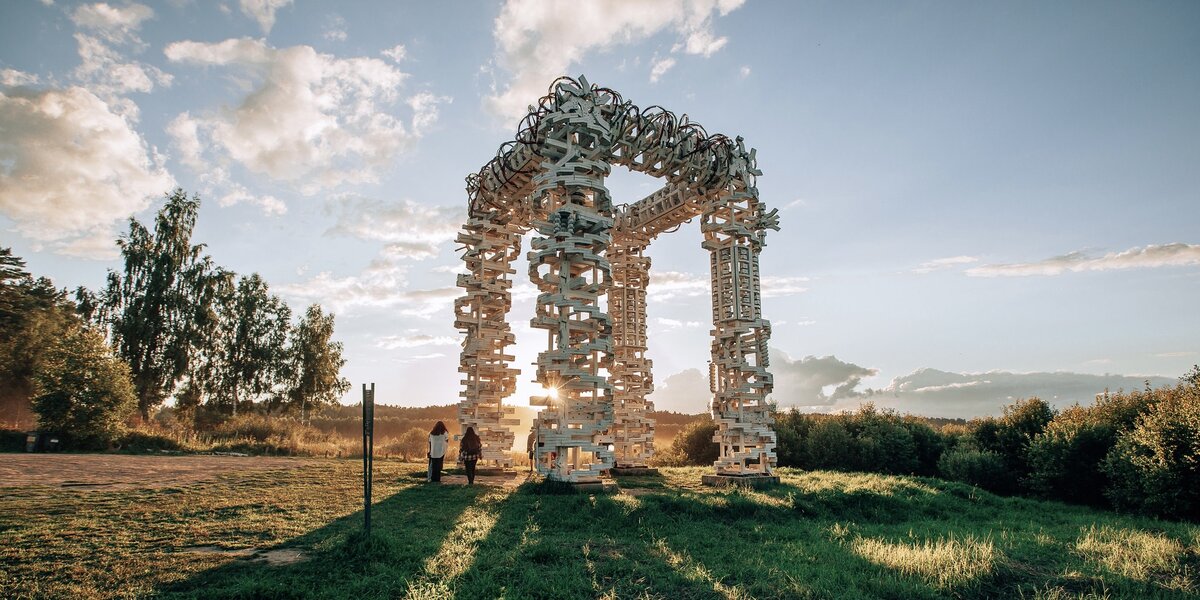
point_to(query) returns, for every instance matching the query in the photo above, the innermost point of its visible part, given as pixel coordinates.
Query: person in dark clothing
(439, 440)
(469, 453)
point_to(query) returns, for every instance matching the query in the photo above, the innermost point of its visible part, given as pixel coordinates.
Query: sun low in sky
(979, 202)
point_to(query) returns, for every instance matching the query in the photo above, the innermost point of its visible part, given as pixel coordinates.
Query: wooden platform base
(753, 481)
(619, 471)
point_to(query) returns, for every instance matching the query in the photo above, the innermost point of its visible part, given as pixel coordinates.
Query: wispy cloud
(665, 285)
(660, 68)
(263, 11)
(413, 230)
(539, 40)
(944, 263)
(677, 324)
(1141, 257)
(393, 342)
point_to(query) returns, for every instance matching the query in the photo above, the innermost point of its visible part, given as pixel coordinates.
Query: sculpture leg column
(481, 314)
(632, 379)
(738, 372)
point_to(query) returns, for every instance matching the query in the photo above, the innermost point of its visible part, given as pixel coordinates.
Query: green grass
(818, 535)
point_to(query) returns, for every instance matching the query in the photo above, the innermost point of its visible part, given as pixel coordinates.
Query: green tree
(1010, 437)
(33, 315)
(1155, 467)
(159, 309)
(693, 445)
(84, 393)
(248, 356)
(316, 363)
(1065, 459)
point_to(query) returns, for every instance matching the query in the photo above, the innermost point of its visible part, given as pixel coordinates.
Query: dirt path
(120, 471)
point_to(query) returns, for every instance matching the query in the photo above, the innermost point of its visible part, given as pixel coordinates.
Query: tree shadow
(338, 560)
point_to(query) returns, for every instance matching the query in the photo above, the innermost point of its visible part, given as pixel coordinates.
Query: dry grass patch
(947, 562)
(1138, 555)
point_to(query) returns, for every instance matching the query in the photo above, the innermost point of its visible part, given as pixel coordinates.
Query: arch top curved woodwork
(550, 179)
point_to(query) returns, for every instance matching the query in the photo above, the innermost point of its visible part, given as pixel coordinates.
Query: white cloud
(270, 205)
(425, 110)
(392, 342)
(382, 285)
(660, 68)
(744, 72)
(310, 119)
(13, 78)
(412, 229)
(677, 324)
(70, 167)
(686, 392)
(335, 29)
(456, 269)
(702, 42)
(944, 263)
(814, 381)
(397, 53)
(797, 203)
(116, 24)
(1144, 257)
(777, 286)
(263, 11)
(671, 284)
(941, 393)
(105, 34)
(539, 40)
(1176, 354)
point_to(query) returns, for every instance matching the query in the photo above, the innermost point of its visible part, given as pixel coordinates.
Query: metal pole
(368, 407)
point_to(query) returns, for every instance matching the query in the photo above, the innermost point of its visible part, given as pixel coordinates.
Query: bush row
(1137, 451)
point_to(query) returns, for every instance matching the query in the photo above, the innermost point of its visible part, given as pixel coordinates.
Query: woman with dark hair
(469, 452)
(439, 439)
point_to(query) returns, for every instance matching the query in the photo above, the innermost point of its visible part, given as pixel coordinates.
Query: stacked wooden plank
(551, 179)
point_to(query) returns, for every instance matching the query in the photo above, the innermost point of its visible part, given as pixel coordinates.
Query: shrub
(791, 428)
(886, 447)
(84, 393)
(1155, 467)
(1010, 436)
(144, 440)
(693, 445)
(983, 468)
(830, 446)
(261, 434)
(1065, 460)
(412, 444)
(928, 445)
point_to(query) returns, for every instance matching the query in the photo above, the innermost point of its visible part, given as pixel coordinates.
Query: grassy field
(294, 533)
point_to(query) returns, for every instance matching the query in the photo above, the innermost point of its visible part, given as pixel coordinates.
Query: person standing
(469, 453)
(439, 439)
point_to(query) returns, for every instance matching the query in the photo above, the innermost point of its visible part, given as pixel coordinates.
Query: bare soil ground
(123, 472)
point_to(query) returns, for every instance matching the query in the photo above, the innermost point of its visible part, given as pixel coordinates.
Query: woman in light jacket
(439, 440)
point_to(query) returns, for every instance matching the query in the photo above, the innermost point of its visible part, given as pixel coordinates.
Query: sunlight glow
(548, 391)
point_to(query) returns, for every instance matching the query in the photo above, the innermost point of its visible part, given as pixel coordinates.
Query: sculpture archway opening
(550, 180)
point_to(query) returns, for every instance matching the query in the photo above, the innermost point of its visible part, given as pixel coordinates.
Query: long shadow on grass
(407, 528)
(792, 541)
(549, 542)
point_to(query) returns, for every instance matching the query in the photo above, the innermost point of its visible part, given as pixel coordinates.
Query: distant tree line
(170, 323)
(1137, 451)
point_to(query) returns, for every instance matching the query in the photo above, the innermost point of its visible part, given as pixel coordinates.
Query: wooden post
(368, 406)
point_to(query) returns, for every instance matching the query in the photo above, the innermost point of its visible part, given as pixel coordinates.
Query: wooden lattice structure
(550, 179)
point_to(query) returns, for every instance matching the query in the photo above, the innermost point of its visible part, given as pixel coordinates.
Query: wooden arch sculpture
(550, 179)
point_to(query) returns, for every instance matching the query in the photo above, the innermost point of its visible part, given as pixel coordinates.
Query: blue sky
(979, 201)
